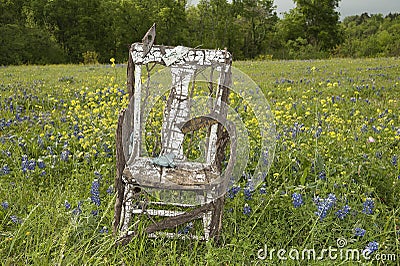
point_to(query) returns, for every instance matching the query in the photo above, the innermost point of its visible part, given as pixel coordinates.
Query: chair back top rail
(198, 57)
(183, 68)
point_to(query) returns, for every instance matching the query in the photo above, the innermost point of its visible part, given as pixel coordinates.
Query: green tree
(23, 45)
(315, 21)
(171, 22)
(256, 20)
(371, 35)
(212, 23)
(78, 25)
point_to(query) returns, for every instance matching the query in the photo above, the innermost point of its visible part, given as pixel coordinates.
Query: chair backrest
(185, 65)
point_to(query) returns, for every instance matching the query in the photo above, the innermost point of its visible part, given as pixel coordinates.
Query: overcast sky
(346, 7)
(351, 7)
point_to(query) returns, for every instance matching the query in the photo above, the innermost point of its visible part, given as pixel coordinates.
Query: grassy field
(334, 186)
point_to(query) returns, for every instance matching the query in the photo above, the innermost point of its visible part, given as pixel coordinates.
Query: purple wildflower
(247, 193)
(110, 190)
(65, 155)
(78, 209)
(31, 165)
(370, 248)
(322, 175)
(41, 164)
(5, 170)
(5, 205)
(15, 219)
(359, 231)
(103, 230)
(246, 209)
(24, 163)
(186, 229)
(98, 175)
(324, 205)
(297, 200)
(341, 214)
(233, 191)
(368, 206)
(95, 192)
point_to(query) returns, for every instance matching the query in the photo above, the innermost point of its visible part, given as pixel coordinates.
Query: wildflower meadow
(334, 184)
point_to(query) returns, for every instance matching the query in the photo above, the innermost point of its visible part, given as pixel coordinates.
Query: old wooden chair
(148, 185)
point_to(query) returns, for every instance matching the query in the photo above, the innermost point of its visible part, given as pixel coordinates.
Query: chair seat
(185, 176)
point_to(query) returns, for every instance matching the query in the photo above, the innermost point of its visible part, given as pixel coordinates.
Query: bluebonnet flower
(31, 165)
(359, 231)
(110, 190)
(95, 192)
(324, 205)
(24, 163)
(78, 209)
(341, 214)
(186, 229)
(40, 142)
(103, 230)
(368, 206)
(246, 209)
(297, 200)
(107, 150)
(5, 170)
(263, 190)
(233, 191)
(375, 129)
(247, 193)
(364, 128)
(5, 205)
(67, 205)
(394, 160)
(322, 175)
(50, 150)
(76, 129)
(95, 212)
(318, 132)
(21, 143)
(98, 175)
(383, 113)
(370, 248)
(15, 219)
(65, 155)
(41, 164)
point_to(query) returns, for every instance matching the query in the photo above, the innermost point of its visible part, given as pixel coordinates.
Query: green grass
(338, 132)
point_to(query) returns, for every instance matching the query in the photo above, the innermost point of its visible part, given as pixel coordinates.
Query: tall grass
(335, 172)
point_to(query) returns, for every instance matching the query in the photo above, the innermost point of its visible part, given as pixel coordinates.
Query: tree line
(74, 31)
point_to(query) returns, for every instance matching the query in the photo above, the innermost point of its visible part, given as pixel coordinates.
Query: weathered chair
(148, 185)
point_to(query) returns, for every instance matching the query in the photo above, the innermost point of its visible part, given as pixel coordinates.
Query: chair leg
(216, 218)
(207, 217)
(126, 210)
(120, 165)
